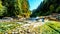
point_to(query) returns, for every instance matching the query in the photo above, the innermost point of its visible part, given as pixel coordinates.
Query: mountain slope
(47, 7)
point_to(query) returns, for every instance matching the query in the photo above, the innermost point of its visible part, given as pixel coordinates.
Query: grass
(50, 28)
(8, 26)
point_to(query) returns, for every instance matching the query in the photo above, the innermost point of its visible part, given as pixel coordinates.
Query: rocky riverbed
(26, 26)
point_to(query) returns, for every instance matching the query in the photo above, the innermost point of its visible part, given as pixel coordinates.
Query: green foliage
(25, 8)
(14, 7)
(2, 9)
(50, 28)
(58, 9)
(7, 26)
(47, 7)
(51, 7)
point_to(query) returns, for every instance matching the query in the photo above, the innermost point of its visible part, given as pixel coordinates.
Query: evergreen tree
(16, 7)
(48, 7)
(2, 8)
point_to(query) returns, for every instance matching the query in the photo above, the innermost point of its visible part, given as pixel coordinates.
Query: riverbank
(26, 28)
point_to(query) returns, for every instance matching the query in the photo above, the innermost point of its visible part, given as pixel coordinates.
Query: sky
(34, 3)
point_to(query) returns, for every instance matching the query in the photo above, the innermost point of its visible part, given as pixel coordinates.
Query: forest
(19, 7)
(17, 18)
(9, 8)
(47, 7)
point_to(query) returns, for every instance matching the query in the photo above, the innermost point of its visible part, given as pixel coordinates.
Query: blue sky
(34, 3)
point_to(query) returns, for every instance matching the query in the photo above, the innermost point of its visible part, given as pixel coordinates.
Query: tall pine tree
(16, 7)
(47, 7)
